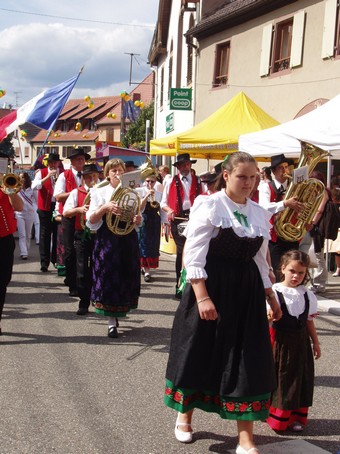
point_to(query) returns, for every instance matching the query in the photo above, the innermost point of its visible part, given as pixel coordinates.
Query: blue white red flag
(42, 111)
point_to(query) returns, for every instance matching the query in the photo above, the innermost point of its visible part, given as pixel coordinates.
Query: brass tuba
(289, 224)
(128, 201)
(10, 183)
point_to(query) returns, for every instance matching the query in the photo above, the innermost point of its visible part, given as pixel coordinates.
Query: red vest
(82, 193)
(8, 223)
(273, 198)
(45, 193)
(195, 190)
(70, 184)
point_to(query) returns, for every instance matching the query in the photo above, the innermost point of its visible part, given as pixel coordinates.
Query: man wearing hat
(130, 166)
(83, 239)
(178, 197)
(44, 182)
(271, 197)
(67, 181)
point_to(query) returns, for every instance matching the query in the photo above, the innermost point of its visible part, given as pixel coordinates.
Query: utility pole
(17, 93)
(131, 57)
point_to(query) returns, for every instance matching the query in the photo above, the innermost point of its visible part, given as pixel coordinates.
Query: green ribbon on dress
(86, 234)
(242, 218)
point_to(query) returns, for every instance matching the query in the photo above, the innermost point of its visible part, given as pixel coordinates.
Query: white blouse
(207, 215)
(99, 196)
(295, 300)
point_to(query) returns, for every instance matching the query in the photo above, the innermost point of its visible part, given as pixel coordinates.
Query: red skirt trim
(281, 419)
(149, 262)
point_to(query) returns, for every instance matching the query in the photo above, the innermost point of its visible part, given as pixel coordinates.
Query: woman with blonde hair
(115, 269)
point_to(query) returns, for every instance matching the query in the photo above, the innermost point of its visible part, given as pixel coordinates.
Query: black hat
(130, 164)
(218, 168)
(279, 159)
(208, 177)
(53, 157)
(78, 152)
(90, 168)
(185, 157)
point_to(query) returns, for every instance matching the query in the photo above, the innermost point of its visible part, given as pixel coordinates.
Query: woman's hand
(275, 313)
(137, 219)
(207, 310)
(112, 207)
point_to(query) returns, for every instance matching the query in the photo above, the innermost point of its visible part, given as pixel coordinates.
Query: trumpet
(10, 183)
(152, 200)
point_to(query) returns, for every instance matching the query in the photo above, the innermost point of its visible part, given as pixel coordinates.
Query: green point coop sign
(180, 98)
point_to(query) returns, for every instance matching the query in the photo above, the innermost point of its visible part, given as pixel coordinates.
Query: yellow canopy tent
(218, 134)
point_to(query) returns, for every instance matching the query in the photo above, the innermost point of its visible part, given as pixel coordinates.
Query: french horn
(128, 201)
(289, 224)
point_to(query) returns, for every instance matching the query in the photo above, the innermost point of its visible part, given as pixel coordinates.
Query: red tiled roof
(233, 13)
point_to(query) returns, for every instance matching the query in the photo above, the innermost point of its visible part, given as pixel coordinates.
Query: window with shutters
(161, 89)
(337, 32)
(170, 70)
(221, 64)
(190, 42)
(282, 46)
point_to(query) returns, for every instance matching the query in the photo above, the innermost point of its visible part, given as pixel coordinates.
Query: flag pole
(56, 119)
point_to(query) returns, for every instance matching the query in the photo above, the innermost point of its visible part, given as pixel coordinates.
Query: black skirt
(230, 356)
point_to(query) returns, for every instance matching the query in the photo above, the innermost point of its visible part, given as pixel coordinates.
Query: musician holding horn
(178, 197)
(8, 204)
(113, 214)
(44, 182)
(149, 233)
(76, 205)
(271, 195)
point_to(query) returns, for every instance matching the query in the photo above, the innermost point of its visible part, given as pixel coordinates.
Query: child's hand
(316, 351)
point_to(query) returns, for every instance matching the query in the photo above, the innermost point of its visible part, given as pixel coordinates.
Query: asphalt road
(67, 388)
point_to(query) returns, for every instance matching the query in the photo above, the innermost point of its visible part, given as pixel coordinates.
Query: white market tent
(320, 127)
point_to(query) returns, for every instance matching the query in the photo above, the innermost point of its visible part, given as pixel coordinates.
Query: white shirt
(36, 183)
(72, 199)
(264, 197)
(295, 300)
(186, 204)
(143, 191)
(207, 215)
(60, 185)
(28, 208)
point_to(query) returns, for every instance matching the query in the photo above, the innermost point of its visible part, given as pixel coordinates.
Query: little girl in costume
(293, 353)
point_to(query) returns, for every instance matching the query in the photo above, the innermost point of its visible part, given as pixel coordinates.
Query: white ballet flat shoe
(240, 450)
(183, 437)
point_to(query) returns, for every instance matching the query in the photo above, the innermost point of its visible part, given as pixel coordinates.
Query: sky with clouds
(44, 43)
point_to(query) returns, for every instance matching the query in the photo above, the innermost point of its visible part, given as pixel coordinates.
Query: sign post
(169, 126)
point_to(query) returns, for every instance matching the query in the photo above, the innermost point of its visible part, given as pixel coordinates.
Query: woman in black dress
(220, 356)
(115, 270)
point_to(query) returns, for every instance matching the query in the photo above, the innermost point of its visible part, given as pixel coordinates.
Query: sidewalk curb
(328, 305)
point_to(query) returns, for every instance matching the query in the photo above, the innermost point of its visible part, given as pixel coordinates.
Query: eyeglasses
(149, 181)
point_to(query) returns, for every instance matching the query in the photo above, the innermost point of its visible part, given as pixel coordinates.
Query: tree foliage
(135, 135)
(6, 146)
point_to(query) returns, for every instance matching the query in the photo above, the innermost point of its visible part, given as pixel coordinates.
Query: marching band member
(116, 266)
(44, 182)
(83, 239)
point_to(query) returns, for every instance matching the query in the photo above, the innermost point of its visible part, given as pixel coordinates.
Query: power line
(77, 19)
